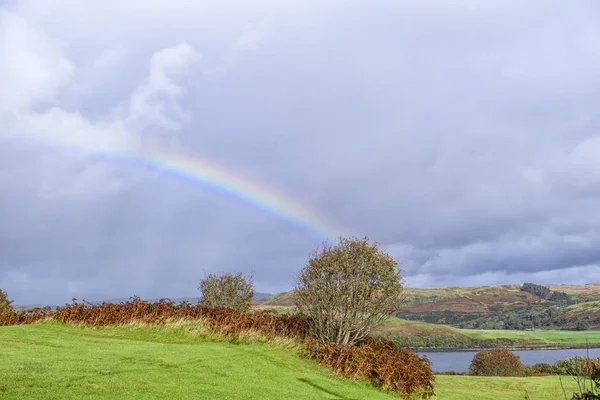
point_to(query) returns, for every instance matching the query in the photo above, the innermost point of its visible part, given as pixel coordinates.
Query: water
(459, 360)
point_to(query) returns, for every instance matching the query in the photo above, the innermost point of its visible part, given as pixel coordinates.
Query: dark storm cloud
(463, 136)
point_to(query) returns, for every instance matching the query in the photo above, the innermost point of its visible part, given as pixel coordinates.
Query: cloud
(159, 91)
(461, 135)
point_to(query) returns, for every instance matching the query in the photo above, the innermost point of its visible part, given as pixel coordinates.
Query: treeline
(533, 317)
(545, 293)
(540, 316)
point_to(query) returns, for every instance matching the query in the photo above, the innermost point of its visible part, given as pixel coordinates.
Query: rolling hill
(492, 307)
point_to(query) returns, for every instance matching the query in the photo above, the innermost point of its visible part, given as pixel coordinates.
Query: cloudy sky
(462, 135)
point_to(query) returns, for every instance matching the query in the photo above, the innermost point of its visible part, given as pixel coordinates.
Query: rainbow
(221, 180)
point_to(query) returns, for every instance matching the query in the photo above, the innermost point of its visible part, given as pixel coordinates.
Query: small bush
(227, 290)
(388, 367)
(496, 362)
(542, 368)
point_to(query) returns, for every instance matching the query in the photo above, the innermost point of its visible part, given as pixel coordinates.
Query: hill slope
(491, 305)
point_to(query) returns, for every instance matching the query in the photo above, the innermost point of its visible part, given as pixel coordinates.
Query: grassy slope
(50, 360)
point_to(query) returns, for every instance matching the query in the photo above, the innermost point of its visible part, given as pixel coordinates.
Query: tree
(346, 290)
(5, 303)
(496, 362)
(227, 290)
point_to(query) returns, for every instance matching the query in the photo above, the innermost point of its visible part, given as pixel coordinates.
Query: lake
(459, 360)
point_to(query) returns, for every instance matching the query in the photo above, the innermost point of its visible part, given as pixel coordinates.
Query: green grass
(501, 388)
(50, 360)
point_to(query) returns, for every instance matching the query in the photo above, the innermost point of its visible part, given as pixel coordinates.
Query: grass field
(50, 360)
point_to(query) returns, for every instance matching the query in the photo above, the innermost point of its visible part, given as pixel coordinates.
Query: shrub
(576, 366)
(542, 368)
(5, 303)
(496, 362)
(227, 290)
(25, 317)
(348, 289)
(388, 367)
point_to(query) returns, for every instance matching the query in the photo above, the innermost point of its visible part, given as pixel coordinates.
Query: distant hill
(492, 307)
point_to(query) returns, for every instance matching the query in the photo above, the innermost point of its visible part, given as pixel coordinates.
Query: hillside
(467, 298)
(492, 307)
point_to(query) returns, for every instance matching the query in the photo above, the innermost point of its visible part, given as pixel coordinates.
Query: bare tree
(348, 289)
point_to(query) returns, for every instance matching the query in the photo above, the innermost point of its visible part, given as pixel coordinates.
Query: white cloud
(32, 68)
(157, 97)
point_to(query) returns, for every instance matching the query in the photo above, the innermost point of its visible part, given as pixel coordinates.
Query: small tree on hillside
(227, 290)
(348, 289)
(5, 303)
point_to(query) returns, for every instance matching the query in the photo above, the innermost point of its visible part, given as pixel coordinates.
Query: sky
(143, 145)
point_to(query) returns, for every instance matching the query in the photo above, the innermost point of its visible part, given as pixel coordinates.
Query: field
(500, 388)
(51, 360)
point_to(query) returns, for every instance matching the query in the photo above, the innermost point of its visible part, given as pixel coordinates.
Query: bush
(542, 368)
(348, 289)
(576, 366)
(227, 290)
(496, 362)
(5, 303)
(388, 367)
